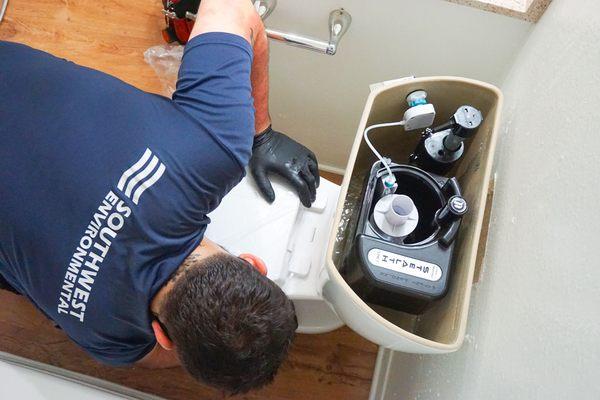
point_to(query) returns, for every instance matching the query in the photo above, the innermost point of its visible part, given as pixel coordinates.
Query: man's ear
(256, 262)
(161, 336)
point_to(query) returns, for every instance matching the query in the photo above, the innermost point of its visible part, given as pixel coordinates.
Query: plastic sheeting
(165, 61)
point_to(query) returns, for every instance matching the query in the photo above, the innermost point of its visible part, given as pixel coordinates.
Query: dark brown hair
(231, 325)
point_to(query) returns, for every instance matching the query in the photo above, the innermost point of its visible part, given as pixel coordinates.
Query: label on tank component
(405, 265)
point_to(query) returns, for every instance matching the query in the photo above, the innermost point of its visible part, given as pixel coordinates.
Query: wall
(534, 327)
(318, 99)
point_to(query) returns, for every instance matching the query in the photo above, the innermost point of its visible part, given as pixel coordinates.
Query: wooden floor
(337, 365)
(111, 36)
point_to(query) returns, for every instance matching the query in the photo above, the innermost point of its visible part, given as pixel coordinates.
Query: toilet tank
(441, 328)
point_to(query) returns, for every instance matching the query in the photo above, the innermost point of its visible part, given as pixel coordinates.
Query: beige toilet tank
(441, 328)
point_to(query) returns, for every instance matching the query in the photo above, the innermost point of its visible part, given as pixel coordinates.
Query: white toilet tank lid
(246, 223)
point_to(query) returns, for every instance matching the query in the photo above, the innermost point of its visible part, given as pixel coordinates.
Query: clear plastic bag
(165, 60)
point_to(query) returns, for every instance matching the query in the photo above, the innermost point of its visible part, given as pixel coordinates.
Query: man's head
(230, 325)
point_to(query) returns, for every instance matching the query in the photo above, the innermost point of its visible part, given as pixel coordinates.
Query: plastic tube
(391, 177)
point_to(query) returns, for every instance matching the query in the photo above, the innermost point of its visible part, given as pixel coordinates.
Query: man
(105, 191)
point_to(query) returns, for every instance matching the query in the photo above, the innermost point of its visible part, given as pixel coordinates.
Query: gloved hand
(274, 152)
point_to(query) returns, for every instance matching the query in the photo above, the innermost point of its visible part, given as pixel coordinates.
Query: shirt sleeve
(214, 89)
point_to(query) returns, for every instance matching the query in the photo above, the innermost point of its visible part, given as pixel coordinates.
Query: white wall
(534, 327)
(318, 99)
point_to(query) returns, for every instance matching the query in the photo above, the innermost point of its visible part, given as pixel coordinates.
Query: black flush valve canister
(402, 253)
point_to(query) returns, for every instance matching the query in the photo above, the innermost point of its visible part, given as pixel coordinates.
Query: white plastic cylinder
(396, 215)
(400, 208)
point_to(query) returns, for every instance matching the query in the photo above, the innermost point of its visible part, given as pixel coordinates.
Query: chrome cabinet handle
(339, 22)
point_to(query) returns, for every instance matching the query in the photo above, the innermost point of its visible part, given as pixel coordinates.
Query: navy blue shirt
(104, 189)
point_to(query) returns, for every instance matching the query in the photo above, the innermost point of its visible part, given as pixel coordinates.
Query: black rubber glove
(274, 152)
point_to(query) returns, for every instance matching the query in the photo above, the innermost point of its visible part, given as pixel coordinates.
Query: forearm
(260, 81)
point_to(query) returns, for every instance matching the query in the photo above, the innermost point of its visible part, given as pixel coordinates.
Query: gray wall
(534, 327)
(319, 99)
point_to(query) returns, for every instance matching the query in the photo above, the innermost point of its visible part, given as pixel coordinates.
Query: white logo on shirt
(102, 231)
(145, 177)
